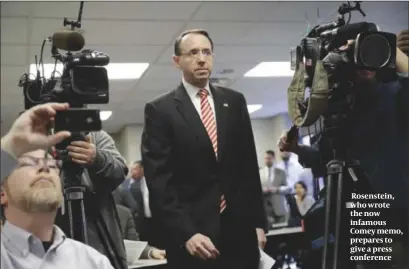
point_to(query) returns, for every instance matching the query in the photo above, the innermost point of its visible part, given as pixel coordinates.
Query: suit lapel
(188, 111)
(186, 108)
(221, 107)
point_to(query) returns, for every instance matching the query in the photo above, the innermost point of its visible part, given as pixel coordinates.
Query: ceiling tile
(122, 85)
(12, 74)
(115, 10)
(131, 32)
(157, 85)
(225, 33)
(95, 32)
(58, 10)
(162, 71)
(130, 54)
(14, 31)
(13, 55)
(15, 9)
(141, 10)
(235, 11)
(240, 54)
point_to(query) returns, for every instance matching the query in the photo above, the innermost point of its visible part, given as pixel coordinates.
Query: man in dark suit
(201, 167)
(134, 194)
(129, 193)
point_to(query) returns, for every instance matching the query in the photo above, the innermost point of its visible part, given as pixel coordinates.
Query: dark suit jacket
(186, 180)
(131, 198)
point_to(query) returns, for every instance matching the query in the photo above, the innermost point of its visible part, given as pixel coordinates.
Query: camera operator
(105, 170)
(30, 132)
(31, 195)
(378, 133)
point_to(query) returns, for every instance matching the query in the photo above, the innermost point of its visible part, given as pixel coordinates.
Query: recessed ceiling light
(104, 115)
(271, 69)
(253, 108)
(115, 70)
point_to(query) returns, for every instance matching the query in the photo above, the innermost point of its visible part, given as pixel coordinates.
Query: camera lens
(375, 51)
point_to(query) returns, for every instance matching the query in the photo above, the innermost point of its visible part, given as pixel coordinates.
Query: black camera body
(84, 81)
(347, 47)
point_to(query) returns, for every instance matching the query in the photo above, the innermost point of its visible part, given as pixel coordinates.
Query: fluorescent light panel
(253, 108)
(104, 115)
(115, 70)
(271, 69)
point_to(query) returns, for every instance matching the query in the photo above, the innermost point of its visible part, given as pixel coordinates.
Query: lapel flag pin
(225, 105)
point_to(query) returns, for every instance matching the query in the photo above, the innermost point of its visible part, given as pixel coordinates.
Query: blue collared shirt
(22, 250)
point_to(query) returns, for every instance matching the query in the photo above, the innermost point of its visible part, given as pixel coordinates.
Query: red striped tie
(210, 124)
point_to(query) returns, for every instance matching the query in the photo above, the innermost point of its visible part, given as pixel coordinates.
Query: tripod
(74, 192)
(335, 170)
(336, 123)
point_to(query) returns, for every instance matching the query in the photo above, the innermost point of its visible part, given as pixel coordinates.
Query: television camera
(326, 62)
(83, 81)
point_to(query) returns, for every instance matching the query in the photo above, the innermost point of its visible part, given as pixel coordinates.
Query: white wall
(266, 133)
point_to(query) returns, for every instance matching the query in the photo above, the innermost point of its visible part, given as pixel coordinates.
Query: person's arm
(8, 163)
(30, 132)
(251, 176)
(147, 252)
(109, 168)
(130, 229)
(284, 188)
(308, 156)
(401, 62)
(132, 234)
(156, 149)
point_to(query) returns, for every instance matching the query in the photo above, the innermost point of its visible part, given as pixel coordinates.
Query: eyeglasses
(29, 161)
(195, 53)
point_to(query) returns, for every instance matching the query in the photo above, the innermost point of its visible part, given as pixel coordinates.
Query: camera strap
(318, 97)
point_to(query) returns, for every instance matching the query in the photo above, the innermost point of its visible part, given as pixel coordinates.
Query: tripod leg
(70, 218)
(338, 219)
(334, 171)
(84, 223)
(327, 222)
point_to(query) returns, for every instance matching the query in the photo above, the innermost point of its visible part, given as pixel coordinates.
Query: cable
(42, 66)
(55, 70)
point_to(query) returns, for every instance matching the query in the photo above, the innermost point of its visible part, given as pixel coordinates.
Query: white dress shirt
(145, 197)
(193, 91)
(292, 170)
(269, 174)
(22, 250)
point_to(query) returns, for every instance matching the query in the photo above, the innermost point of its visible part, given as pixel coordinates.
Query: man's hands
(82, 152)
(202, 247)
(30, 130)
(261, 238)
(158, 254)
(283, 145)
(271, 189)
